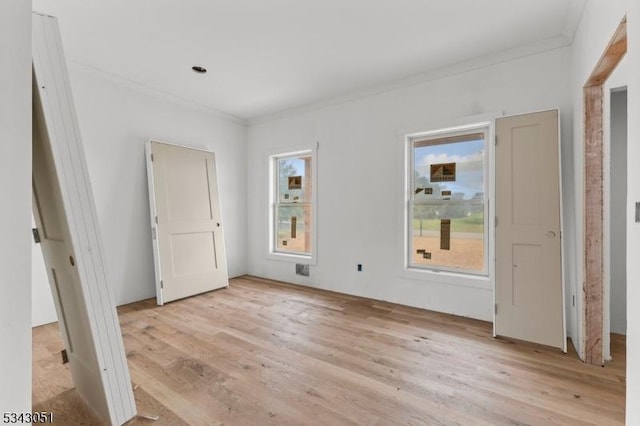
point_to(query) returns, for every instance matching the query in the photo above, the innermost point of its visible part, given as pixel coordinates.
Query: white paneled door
(67, 224)
(528, 292)
(189, 246)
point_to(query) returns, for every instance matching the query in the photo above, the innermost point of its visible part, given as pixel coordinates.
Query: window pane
(449, 170)
(447, 202)
(457, 244)
(294, 179)
(293, 229)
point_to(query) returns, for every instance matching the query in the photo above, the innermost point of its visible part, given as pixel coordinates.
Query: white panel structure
(65, 213)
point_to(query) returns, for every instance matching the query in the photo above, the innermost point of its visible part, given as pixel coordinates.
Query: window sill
(293, 258)
(449, 278)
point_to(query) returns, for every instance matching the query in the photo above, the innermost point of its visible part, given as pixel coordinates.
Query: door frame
(154, 221)
(593, 217)
(562, 248)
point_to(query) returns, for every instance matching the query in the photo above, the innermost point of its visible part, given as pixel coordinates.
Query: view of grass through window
(447, 222)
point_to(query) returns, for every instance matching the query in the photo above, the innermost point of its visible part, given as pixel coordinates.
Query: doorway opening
(616, 235)
(593, 296)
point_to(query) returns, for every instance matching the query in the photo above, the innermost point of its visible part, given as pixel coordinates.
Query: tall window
(292, 204)
(447, 200)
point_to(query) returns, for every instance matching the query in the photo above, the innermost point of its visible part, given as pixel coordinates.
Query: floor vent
(302, 270)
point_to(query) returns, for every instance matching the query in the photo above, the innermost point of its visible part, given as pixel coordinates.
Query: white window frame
(273, 253)
(487, 128)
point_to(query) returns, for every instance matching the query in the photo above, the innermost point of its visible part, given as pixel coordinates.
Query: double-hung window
(292, 215)
(447, 204)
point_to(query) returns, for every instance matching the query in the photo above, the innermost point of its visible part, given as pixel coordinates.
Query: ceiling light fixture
(199, 69)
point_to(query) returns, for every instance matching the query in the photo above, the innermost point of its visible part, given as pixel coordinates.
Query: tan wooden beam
(593, 287)
(593, 225)
(611, 57)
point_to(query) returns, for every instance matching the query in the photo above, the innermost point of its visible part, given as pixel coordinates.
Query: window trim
(272, 252)
(415, 271)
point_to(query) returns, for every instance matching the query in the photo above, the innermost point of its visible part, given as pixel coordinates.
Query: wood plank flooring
(267, 353)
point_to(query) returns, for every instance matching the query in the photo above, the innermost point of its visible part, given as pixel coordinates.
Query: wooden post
(593, 290)
(593, 225)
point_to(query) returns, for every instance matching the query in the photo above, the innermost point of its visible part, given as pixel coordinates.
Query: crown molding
(463, 67)
(575, 9)
(154, 92)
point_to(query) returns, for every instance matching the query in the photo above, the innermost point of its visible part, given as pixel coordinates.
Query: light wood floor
(262, 353)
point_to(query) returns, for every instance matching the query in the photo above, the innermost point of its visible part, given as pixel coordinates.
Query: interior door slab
(529, 284)
(187, 225)
(65, 215)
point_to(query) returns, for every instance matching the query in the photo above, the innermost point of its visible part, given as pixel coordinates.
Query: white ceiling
(265, 56)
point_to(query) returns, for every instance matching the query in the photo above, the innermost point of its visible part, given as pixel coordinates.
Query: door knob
(551, 234)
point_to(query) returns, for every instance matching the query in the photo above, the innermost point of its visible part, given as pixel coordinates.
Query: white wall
(633, 229)
(361, 171)
(116, 120)
(614, 219)
(15, 216)
(618, 203)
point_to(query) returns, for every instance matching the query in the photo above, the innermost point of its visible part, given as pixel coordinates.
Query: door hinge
(151, 157)
(495, 308)
(573, 302)
(36, 235)
(161, 284)
(156, 219)
(495, 140)
(495, 223)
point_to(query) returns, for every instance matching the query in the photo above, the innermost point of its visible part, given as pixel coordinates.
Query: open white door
(65, 215)
(188, 241)
(529, 285)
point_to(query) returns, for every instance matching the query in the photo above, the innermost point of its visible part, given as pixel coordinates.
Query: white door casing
(188, 237)
(65, 214)
(529, 284)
